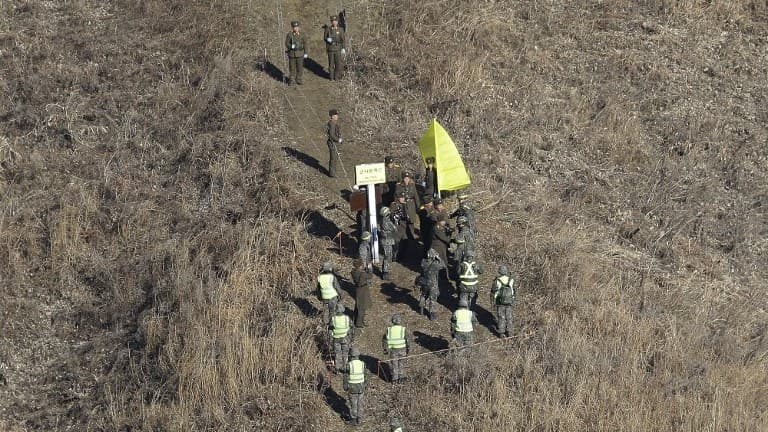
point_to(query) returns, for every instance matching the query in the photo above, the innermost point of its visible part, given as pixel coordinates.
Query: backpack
(506, 295)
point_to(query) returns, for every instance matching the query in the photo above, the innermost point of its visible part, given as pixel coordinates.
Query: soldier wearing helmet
(396, 343)
(503, 297)
(364, 250)
(341, 333)
(430, 271)
(468, 274)
(328, 290)
(355, 383)
(388, 236)
(463, 324)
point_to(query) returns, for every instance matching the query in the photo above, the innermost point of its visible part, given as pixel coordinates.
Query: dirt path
(306, 108)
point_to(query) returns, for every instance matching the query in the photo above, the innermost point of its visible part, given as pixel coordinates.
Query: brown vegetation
(155, 254)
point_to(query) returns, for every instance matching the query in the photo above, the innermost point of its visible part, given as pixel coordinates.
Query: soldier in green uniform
(296, 48)
(334, 141)
(425, 216)
(355, 383)
(396, 343)
(412, 202)
(430, 178)
(463, 324)
(394, 176)
(341, 333)
(503, 296)
(335, 40)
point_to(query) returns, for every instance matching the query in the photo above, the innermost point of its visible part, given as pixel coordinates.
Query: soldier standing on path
(394, 175)
(441, 238)
(334, 141)
(335, 41)
(462, 325)
(469, 271)
(430, 270)
(427, 223)
(355, 380)
(329, 290)
(362, 278)
(296, 48)
(364, 250)
(463, 240)
(430, 178)
(388, 234)
(503, 296)
(396, 342)
(341, 333)
(465, 209)
(400, 218)
(412, 202)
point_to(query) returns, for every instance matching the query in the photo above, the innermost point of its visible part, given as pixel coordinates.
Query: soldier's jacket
(468, 213)
(337, 36)
(464, 239)
(411, 194)
(430, 268)
(440, 241)
(388, 231)
(334, 133)
(430, 181)
(296, 44)
(407, 338)
(364, 251)
(394, 173)
(399, 212)
(425, 216)
(436, 214)
(362, 281)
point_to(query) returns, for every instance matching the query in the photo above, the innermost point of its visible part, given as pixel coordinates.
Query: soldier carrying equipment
(503, 296)
(355, 380)
(469, 271)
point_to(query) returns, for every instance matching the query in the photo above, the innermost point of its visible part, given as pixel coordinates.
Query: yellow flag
(436, 143)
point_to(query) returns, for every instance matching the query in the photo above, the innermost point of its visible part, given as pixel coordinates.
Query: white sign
(369, 174)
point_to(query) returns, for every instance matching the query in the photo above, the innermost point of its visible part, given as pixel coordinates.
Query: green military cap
(294, 23)
(389, 159)
(430, 160)
(333, 112)
(407, 174)
(428, 199)
(334, 18)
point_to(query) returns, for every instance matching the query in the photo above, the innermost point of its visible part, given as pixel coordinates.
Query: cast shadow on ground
(273, 71)
(320, 226)
(431, 343)
(485, 318)
(311, 65)
(308, 309)
(336, 402)
(372, 364)
(397, 295)
(305, 159)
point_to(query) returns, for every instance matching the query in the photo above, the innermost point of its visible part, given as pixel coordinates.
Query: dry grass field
(158, 243)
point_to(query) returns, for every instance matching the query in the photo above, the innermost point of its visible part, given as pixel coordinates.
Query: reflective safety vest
(469, 275)
(340, 325)
(463, 320)
(506, 293)
(327, 290)
(396, 337)
(356, 372)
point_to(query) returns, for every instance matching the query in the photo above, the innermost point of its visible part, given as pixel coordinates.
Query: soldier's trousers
(398, 369)
(467, 296)
(341, 352)
(429, 299)
(335, 65)
(333, 160)
(464, 338)
(386, 252)
(504, 319)
(360, 316)
(330, 309)
(296, 69)
(356, 406)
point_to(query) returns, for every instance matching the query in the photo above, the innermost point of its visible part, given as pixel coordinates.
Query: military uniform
(469, 271)
(341, 333)
(362, 280)
(399, 214)
(329, 291)
(335, 41)
(355, 382)
(430, 289)
(464, 242)
(364, 252)
(296, 48)
(503, 296)
(466, 211)
(396, 343)
(427, 223)
(334, 141)
(412, 202)
(462, 326)
(441, 239)
(394, 175)
(388, 235)
(430, 179)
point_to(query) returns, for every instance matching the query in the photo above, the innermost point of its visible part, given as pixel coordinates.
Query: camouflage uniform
(335, 41)
(466, 211)
(296, 48)
(334, 293)
(388, 234)
(396, 343)
(503, 296)
(463, 336)
(468, 280)
(430, 289)
(356, 390)
(341, 343)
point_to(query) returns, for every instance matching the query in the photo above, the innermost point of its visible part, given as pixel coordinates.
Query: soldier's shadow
(320, 226)
(431, 343)
(485, 318)
(396, 295)
(273, 71)
(336, 402)
(305, 159)
(313, 66)
(373, 366)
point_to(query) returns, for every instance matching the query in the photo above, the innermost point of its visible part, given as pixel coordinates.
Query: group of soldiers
(297, 50)
(413, 221)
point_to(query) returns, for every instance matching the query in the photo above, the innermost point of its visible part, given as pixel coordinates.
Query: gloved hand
(293, 46)
(343, 51)
(340, 140)
(306, 55)
(329, 40)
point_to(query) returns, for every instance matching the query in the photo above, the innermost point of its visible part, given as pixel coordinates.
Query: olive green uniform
(412, 203)
(296, 47)
(334, 140)
(335, 40)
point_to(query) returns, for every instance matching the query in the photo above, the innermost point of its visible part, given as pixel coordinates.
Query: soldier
(463, 242)
(395, 425)
(465, 209)
(430, 290)
(364, 250)
(334, 141)
(441, 237)
(296, 48)
(412, 202)
(503, 296)
(427, 223)
(440, 211)
(399, 213)
(430, 178)
(355, 380)
(335, 41)
(394, 176)
(329, 290)
(341, 333)
(362, 278)
(468, 278)
(388, 234)
(396, 342)
(462, 325)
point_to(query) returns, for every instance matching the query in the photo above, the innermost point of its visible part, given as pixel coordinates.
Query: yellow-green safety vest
(396, 337)
(463, 320)
(327, 290)
(340, 325)
(356, 372)
(469, 277)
